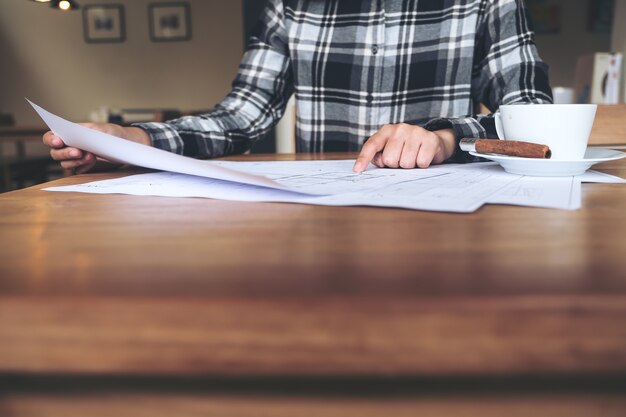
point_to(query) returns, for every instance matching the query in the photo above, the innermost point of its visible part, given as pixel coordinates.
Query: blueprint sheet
(449, 187)
(124, 151)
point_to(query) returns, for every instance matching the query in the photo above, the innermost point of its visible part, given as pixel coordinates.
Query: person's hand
(81, 161)
(406, 146)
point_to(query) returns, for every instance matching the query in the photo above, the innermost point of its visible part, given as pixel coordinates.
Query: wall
(561, 50)
(44, 57)
(618, 41)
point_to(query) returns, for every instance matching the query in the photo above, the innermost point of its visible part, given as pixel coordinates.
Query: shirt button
(374, 49)
(370, 98)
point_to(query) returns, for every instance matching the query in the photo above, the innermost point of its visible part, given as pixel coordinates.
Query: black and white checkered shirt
(356, 65)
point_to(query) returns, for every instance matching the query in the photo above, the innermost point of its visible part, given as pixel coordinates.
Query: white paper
(423, 191)
(558, 193)
(592, 176)
(452, 188)
(448, 187)
(124, 151)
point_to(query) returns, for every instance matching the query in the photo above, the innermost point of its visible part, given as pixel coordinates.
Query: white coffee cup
(565, 128)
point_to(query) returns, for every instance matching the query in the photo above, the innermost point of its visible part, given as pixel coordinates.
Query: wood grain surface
(111, 284)
(609, 127)
(121, 404)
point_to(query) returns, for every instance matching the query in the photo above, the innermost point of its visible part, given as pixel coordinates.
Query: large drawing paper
(452, 188)
(124, 151)
(448, 187)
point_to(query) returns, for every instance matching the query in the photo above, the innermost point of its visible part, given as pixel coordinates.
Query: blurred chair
(6, 119)
(17, 169)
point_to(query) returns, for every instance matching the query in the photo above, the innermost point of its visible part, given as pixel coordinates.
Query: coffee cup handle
(497, 116)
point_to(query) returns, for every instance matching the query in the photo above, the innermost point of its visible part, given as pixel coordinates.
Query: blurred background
(127, 61)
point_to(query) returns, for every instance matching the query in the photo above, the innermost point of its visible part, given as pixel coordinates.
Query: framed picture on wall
(169, 22)
(104, 23)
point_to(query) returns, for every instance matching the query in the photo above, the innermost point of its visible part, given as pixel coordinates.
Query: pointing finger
(373, 145)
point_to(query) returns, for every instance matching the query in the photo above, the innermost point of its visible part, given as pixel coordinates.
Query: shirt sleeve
(507, 70)
(257, 101)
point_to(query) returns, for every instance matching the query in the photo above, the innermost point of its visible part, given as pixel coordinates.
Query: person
(404, 74)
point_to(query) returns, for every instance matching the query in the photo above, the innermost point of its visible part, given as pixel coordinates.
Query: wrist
(448, 142)
(137, 134)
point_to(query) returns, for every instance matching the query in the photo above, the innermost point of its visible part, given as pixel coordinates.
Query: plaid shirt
(356, 65)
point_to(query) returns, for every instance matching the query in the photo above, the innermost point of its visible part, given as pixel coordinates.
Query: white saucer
(553, 167)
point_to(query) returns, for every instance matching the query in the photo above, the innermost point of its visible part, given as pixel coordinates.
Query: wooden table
(125, 305)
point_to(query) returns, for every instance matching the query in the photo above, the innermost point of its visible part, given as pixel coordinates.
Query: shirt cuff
(163, 136)
(463, 127)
